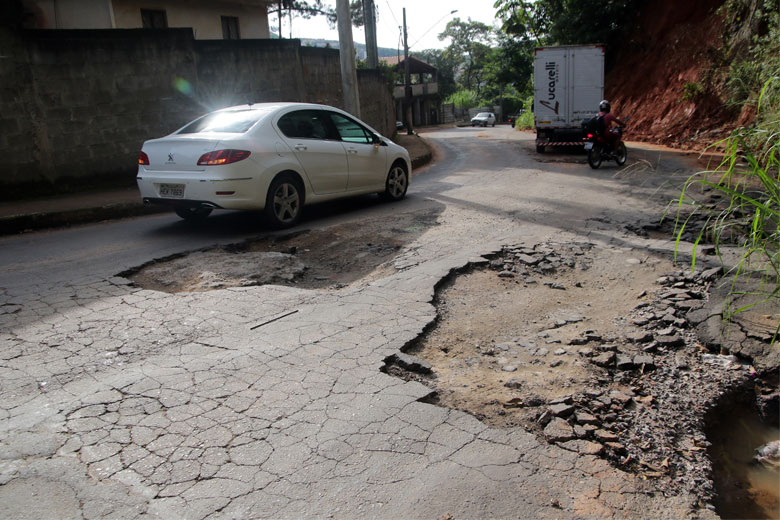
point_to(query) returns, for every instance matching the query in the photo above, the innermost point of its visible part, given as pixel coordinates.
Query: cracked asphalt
(269, 402)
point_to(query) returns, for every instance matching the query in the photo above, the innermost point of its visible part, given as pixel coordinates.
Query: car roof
(275, 105)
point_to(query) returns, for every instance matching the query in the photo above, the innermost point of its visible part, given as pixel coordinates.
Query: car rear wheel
(284, 201)
(396, 184)
(193, 213)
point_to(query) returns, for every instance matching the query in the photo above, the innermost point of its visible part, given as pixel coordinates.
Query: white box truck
(568, 86)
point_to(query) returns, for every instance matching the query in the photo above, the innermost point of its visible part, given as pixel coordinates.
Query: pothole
(311, 259)
(745, 453)
(589, 348)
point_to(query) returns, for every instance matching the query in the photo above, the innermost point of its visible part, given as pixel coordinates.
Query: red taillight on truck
(220, 157)
(143, 159)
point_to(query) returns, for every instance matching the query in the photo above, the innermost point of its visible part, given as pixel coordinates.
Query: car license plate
(588, 146)
(172, 191)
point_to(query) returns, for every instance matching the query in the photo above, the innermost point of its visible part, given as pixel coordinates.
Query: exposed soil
(674, 44)
(588, 347)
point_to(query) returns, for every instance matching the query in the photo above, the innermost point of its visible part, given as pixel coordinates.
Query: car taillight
(222, 157)
(590, 136)
(143, 158)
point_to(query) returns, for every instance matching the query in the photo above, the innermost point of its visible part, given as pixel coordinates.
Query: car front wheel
(396, 184)
(284, 201)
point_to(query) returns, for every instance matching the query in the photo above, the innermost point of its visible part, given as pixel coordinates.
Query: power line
(392, 13)
(432, 26)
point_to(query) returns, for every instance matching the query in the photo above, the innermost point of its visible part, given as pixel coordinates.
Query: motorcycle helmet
(604, 106)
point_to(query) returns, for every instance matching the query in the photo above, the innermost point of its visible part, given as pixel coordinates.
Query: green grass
(748, 177)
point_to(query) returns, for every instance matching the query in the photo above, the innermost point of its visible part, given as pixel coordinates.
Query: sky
(425, 19)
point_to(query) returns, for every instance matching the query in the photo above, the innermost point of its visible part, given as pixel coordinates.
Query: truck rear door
(550, 94)
(586, 82)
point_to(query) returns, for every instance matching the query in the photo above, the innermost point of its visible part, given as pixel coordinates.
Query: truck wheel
(594, 157)
(540, 148)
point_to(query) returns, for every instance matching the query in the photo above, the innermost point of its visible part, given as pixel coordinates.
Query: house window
(230, 28)
(154, 19)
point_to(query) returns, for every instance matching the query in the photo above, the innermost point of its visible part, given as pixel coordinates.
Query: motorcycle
(599, 149)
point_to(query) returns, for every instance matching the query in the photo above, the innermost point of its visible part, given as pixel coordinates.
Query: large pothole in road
(533, 328)
(312, 259)
(588, 347)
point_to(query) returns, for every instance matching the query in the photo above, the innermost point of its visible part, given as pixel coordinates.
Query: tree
(565, 22)
(447, 64)
(523, 18)
(470, 45)
(309, 8)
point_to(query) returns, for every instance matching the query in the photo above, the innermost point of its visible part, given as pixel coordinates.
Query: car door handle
(301, 148)
(352, 150)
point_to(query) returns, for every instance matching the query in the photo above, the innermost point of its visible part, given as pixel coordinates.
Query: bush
(464, 99)
(692, 91)
(526, 119)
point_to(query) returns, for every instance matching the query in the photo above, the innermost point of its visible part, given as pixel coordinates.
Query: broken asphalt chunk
(411, 363)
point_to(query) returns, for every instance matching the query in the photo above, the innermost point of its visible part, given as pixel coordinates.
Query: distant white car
(275, 157)
(484, 119)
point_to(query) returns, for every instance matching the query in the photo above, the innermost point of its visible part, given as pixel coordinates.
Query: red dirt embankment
(676, 43)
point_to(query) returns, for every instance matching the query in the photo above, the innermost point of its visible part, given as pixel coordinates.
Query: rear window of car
(233, 122)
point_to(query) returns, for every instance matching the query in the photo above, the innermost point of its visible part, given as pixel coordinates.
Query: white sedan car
(484, 119)
(275, 157)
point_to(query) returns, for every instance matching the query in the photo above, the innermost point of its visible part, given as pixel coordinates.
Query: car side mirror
(377, 141)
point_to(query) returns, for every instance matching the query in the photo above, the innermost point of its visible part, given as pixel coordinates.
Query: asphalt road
(269, 402)
(104, 249)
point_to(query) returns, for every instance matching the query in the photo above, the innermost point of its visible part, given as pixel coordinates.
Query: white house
(209, 19)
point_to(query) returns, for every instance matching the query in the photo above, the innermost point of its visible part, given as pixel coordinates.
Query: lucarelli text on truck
(550, 66)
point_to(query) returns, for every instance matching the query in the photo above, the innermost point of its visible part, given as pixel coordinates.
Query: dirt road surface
(512, 341)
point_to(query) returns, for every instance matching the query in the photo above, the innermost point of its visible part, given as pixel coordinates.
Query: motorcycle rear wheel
(621, 154)
(594, 157)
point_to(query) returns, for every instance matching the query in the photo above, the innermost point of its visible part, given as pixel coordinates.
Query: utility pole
(347, 54)
(372, 53)
(407, 84)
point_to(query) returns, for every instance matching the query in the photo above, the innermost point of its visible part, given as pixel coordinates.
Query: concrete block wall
(76, 106)
(377, 106)
(321, 70)
(95, 95)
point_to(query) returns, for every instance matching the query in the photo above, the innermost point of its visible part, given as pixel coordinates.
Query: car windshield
(483, 114)
(234, 122)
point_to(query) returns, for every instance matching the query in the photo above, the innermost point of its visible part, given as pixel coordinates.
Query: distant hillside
(360, 48)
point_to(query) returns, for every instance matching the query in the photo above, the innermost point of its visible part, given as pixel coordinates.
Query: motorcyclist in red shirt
(609, 121)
